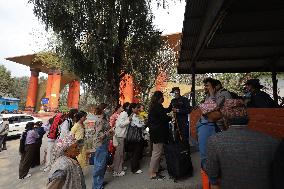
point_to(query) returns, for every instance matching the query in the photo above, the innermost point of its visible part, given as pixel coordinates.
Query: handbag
(134, 134)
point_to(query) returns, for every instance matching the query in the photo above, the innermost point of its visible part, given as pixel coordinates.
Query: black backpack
(23, 142)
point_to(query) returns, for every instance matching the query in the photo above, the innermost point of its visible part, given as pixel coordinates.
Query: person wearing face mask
(181, 107)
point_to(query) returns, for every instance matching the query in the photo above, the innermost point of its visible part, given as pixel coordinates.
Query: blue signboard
(44, 101)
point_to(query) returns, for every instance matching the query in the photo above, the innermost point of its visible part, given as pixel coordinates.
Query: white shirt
(136, 121)
(64, 128)
(121, 124)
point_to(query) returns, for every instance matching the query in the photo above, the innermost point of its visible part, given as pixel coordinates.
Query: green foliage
(63, 109)
(6, 82)
(20, 88)
(13, 87)
(101, 40)
(50, 60)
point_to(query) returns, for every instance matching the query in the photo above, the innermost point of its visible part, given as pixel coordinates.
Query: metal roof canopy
(232, 36)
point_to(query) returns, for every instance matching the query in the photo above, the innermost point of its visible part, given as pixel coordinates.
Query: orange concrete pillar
(32, 90)
(76, 94)
(70, 95)
(55, 91)
(161, 81)
(126, 89)
(48, 87)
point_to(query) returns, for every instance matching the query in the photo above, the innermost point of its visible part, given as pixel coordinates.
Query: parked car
(17, 122)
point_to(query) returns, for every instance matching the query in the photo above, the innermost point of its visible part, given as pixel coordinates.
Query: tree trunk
(119, 51)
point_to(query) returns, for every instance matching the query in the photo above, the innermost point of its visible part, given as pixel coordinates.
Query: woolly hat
(235, 112)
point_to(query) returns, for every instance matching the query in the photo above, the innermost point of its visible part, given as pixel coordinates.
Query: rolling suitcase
(177, 156)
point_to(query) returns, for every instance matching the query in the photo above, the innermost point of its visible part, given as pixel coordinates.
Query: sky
(22, 33)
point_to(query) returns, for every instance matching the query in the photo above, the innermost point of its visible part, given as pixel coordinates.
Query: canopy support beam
(193, 91)
(274, 86)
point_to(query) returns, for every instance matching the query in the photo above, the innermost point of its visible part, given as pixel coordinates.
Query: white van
(17, 122)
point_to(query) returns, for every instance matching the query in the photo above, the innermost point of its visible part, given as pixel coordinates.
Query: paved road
(9, 164)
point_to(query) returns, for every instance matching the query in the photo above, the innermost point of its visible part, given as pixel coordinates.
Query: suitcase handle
(179, 133)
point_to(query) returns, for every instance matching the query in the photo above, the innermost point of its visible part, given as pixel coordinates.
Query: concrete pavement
(9, 165)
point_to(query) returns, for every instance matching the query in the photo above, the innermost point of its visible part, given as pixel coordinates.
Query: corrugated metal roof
(232, 36)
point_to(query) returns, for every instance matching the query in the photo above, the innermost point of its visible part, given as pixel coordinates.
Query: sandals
(158, 177)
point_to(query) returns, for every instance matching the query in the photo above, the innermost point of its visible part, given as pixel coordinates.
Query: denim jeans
(100, 166)
(205, 129)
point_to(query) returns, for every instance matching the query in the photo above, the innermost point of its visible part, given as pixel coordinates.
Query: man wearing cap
(258, 98)
(181, 106)
(239, 157)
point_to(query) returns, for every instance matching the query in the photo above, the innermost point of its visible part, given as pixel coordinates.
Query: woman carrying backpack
(27, 149)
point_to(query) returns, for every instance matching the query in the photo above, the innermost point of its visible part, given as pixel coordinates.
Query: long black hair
(131, 106)
(72, 112)
(125, 106)
(30, 126)
(155, 99)
(116, 108)
(79, 115)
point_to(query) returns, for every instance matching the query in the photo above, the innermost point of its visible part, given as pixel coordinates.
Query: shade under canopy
(223, 36)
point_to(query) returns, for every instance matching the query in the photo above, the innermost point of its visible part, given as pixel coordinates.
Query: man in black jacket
(258, 98)
(181, 107)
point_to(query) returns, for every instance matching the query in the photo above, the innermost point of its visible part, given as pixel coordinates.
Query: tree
(102, 39)
(20, 88)
(6, 82)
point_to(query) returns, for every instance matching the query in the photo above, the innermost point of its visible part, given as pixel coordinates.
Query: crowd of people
(69, 148)
(232, 156)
